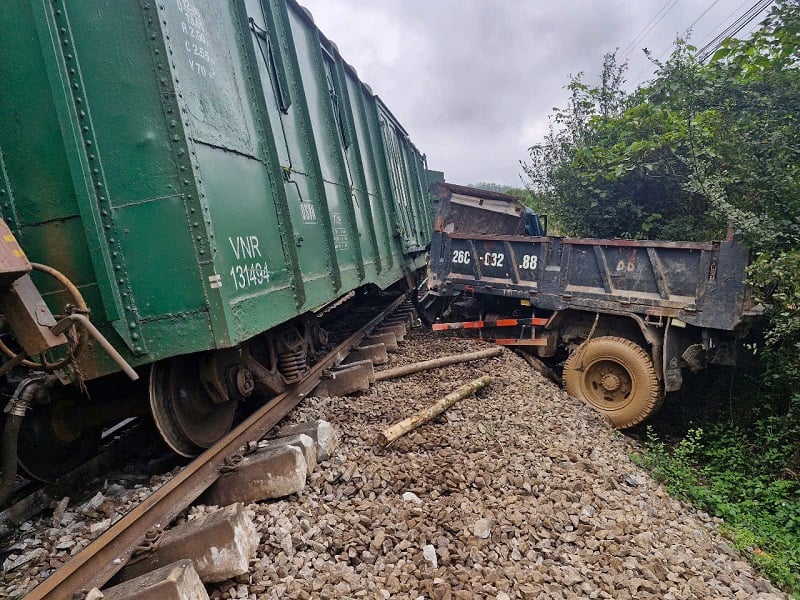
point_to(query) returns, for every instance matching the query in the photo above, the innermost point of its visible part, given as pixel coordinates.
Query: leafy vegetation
(492, 187)
(719, 472)
(702, 148)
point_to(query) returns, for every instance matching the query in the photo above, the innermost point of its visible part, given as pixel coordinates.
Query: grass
(740, 476)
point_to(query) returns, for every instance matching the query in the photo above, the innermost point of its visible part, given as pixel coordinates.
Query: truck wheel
(617, 378)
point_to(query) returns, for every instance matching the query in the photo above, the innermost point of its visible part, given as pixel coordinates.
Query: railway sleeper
(322, 432)
(351, 378)
(407, 319)
(387, 338)
(177, 581)
(375, 353)
(304, 442)
(398, 329)
(268, 474)
(219, 544)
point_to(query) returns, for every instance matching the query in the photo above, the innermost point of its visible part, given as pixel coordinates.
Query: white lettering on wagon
(308, 213)
(339, 231)
(245, 246)
(196, 42)
(251, 270)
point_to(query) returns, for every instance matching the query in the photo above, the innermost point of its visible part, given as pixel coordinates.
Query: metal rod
(62, 325)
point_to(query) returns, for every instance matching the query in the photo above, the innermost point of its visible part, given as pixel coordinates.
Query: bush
(739, 476)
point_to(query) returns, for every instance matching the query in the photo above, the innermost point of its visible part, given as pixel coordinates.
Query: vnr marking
(245, 246)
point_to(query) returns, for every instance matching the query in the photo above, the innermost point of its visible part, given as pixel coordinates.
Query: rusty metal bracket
(149, 544)
(231, 463)
(84, 321)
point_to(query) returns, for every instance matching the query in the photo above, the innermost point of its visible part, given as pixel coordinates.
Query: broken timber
(435, 363)
(391, 433)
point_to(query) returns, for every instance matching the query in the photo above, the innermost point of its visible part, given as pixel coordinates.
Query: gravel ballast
(517, 492)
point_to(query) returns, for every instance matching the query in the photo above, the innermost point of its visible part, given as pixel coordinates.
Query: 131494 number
(249, 275)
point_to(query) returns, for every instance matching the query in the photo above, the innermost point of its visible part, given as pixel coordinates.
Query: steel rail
(106, 555)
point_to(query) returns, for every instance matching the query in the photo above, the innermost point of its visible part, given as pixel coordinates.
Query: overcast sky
(474, 81)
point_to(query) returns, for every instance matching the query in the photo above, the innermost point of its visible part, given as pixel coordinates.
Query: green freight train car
(195, 176)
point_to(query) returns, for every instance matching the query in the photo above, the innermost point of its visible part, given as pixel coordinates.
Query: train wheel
(186, 416)
(52, 440)
(615, 376)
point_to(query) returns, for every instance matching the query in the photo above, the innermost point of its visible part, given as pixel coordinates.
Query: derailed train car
(197, 177)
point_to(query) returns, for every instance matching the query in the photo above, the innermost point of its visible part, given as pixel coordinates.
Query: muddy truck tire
(617, 377)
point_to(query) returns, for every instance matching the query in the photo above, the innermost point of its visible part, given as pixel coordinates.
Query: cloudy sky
(474, 81)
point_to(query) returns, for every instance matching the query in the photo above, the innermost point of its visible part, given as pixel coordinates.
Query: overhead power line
(713, 31)
(645, 31)
(702, 14)
(647, 68)
(731, 30)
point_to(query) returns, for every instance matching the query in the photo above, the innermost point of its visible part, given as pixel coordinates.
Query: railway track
(105, 556)
(516, 492)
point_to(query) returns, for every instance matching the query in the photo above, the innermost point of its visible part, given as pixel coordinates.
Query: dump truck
(625, 318)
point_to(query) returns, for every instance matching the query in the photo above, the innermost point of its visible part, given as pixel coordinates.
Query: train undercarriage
(54, 419)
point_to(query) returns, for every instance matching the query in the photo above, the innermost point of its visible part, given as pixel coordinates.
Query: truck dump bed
(699, 283)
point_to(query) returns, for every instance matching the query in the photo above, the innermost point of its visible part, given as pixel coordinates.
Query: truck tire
(615, 376)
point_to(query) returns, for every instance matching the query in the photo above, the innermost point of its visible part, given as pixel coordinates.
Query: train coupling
(35, 328)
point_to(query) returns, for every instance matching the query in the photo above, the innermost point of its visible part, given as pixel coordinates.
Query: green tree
(616, 165)
(698, 148)
(702, 146)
